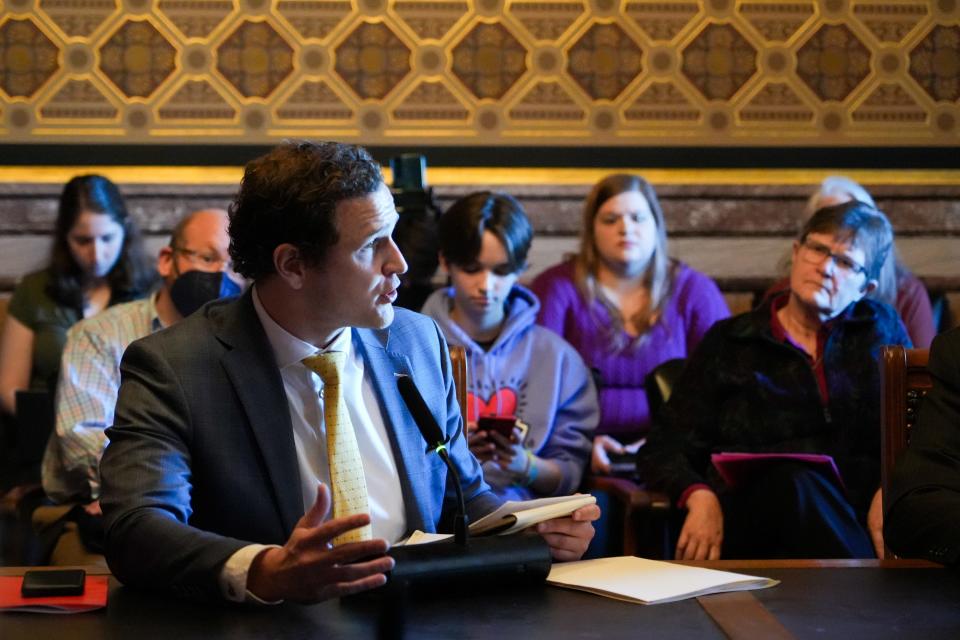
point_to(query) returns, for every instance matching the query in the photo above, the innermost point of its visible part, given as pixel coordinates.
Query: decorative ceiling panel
(482, 72)
(137, 58)
(489, 60)
(255, 59)
(29, 58)
(372, 60)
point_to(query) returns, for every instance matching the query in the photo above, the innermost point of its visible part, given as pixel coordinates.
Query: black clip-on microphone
(470, 564)
(432, 433)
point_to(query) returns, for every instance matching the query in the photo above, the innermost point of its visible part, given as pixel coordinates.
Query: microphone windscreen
(418, 409)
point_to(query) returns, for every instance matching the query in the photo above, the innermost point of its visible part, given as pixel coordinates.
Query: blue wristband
(532, 469)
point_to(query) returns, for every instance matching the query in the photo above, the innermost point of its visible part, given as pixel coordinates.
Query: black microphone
(432, 433)
(491, 562)
(421, 413)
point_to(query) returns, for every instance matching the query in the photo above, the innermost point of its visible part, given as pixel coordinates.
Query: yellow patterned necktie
(347, 483)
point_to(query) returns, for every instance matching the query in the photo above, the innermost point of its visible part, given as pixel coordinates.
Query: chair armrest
(628, 493)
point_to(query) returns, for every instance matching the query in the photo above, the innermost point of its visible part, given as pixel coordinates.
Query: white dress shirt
(304, 390)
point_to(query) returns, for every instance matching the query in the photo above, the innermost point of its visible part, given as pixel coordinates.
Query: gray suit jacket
(201, 459)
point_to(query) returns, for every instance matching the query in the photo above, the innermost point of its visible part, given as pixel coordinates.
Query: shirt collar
(776, 327)
(288, 349)
(155, 324)
(780, 334)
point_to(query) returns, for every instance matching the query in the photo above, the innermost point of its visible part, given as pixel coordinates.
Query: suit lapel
(405, 439)
(253, 372)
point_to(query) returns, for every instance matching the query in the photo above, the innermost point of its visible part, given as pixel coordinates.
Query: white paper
(529, 512)
(649, 581)
(421, 537)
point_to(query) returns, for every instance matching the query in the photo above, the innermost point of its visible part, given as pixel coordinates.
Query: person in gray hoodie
(517, 369)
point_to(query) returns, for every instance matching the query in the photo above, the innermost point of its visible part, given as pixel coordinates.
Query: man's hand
(308, 569)
(875, 522)
(93, 508)
(480, 445)
(600, 459)
(569, 537)
(702, 531)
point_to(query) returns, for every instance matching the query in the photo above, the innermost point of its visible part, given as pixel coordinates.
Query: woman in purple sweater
(626, 306)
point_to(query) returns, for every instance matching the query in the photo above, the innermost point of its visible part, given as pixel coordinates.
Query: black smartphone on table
(55, 582)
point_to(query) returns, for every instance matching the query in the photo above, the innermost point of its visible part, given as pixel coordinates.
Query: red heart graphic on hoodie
(501, 403)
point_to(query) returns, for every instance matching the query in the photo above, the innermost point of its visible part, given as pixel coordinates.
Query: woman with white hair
(896, 285)
(796, 375)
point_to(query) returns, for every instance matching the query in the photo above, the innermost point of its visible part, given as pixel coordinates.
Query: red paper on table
(737, 469)
(94, 597)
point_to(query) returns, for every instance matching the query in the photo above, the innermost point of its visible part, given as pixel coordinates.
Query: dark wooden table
(816, 599)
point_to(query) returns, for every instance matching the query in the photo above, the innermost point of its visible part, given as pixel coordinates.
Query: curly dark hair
(131, 277)
(289, 196)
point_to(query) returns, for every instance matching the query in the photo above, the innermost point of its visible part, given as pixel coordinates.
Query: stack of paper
(649, 581)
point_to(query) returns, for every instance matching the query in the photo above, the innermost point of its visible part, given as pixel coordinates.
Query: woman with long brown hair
(97, 260)
(626, 306)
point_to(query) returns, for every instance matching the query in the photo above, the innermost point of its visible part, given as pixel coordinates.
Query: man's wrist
(260, 582)
(235, 573)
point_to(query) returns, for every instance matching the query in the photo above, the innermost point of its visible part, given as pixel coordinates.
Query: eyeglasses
(816, 253)
(210, 261)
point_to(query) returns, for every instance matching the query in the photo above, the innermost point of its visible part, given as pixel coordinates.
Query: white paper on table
(649, 581)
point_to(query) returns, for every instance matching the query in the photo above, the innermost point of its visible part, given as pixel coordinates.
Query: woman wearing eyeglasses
(896, 285)
(797, 375)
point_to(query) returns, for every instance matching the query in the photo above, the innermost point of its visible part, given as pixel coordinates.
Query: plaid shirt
(86, 396)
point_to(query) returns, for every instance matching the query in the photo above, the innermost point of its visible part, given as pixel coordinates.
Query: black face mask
(193, 289)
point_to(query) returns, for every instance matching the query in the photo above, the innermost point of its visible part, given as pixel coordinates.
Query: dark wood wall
(735, 232)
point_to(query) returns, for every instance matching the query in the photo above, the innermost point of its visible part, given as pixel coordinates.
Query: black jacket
(744, 391)
(924, 515)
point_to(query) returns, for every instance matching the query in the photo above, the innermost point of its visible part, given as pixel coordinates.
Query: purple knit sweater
(696, 303)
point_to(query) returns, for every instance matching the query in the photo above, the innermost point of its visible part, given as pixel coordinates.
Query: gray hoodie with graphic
(532, 373)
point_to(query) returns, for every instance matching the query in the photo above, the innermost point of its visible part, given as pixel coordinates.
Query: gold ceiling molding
(708, 73)
(499, 177)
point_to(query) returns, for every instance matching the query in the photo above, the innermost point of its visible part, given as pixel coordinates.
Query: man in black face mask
(195, 269)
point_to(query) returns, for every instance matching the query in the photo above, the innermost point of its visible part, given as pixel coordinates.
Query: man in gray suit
(216, 480)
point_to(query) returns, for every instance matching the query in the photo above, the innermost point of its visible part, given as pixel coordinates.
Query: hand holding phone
(497, 424)
(625, 464)
(480, 445)
(506, 435)
(504, 425)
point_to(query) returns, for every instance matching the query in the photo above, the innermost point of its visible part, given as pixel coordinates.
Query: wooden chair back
(659, 383)
(458, 358)
(904, 382)
(4, 303)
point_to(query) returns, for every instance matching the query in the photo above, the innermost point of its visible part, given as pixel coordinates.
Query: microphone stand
(460, 519)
